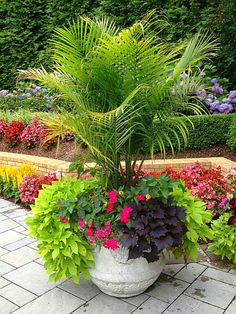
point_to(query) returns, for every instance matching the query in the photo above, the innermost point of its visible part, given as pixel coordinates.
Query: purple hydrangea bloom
(232, 94)
(4, 92)
(214, 81)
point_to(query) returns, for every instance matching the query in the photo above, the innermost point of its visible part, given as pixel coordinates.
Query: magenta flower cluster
(31, 185)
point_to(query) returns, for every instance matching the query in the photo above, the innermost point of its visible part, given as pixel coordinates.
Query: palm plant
(121, 83)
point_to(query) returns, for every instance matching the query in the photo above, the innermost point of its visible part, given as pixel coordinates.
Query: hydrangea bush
(215, 101)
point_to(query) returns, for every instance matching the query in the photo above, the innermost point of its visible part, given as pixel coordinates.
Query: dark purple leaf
(151, 257)
(173, 221)
(144, 219)
(157, 213)
(137, 224)
(143, 244)
(164, 242)
(158, 232)
(176, 229)
(155, 223)
(135, 252)
(129, 240)
(143, 232)
(171, 210)
(180, 213)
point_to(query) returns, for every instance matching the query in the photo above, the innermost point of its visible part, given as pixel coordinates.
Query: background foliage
(27, 25)
(198, 137)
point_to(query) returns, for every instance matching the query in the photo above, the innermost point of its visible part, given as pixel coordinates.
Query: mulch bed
(67, 151)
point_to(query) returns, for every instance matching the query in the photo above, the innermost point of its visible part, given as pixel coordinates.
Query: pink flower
(111, 244)
(91, 240)
(108, 228)
(110, 207)
(125, 214)
(140, 197)
(63, 219)
(89, 232)
(99, 233)
(113, 196)
(80, 222)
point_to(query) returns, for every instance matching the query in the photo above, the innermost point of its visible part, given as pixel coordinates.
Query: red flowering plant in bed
(31, 185)
(3, 126)
(210, 185)
(30, 137)
(13, 132)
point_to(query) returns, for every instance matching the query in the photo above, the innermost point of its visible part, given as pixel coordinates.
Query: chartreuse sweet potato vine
(195, 221)
(224, 242)
(64, 250)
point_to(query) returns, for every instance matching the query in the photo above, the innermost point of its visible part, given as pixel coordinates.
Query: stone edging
(45, 165)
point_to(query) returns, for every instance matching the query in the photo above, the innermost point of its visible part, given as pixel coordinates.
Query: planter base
(117, 276)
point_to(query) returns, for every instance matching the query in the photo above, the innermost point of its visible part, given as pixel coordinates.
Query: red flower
(80, 222)
(110, 207)
(113, 196)
(140, 197)
(154, 174)
(232, 220)
(233, 202)
(125, 214)
(111, 244)
(63, 219)
(100, 234)
(89, 232)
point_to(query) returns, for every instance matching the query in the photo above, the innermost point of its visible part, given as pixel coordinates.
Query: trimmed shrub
(231, 140)
(209, 130)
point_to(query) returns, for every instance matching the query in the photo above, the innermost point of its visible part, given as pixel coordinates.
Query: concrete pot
(115, 275)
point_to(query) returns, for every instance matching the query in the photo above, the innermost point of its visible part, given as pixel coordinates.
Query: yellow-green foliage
(224, 241)
(65, 251)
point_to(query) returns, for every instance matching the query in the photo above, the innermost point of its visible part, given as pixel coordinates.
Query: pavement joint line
(139, 304)
(190, 296)
(234, 299)
(183, 293)
(18, 307)
(73, 293)
(36, 257)
(86, 302)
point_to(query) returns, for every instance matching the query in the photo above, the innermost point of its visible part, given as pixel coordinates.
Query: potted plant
(117, 236)
(125, 86)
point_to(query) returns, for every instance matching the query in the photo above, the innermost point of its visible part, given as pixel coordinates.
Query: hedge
(27, 25)
(231, 138)
(209, 130)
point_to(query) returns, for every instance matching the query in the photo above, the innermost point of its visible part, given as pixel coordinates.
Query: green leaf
(82, 250)
(74, 247)
(72, 268)
(85, 274)
(55, 253)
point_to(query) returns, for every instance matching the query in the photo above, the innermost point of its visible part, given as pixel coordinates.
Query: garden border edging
(45, 165)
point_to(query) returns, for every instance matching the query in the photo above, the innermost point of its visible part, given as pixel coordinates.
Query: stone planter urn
(115, 275)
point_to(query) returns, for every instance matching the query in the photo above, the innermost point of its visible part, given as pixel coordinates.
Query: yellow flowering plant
(11, 178)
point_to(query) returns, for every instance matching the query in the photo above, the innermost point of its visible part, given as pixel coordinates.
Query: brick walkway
(200, 288)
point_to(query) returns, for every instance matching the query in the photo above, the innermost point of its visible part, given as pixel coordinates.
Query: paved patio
(24, 289)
